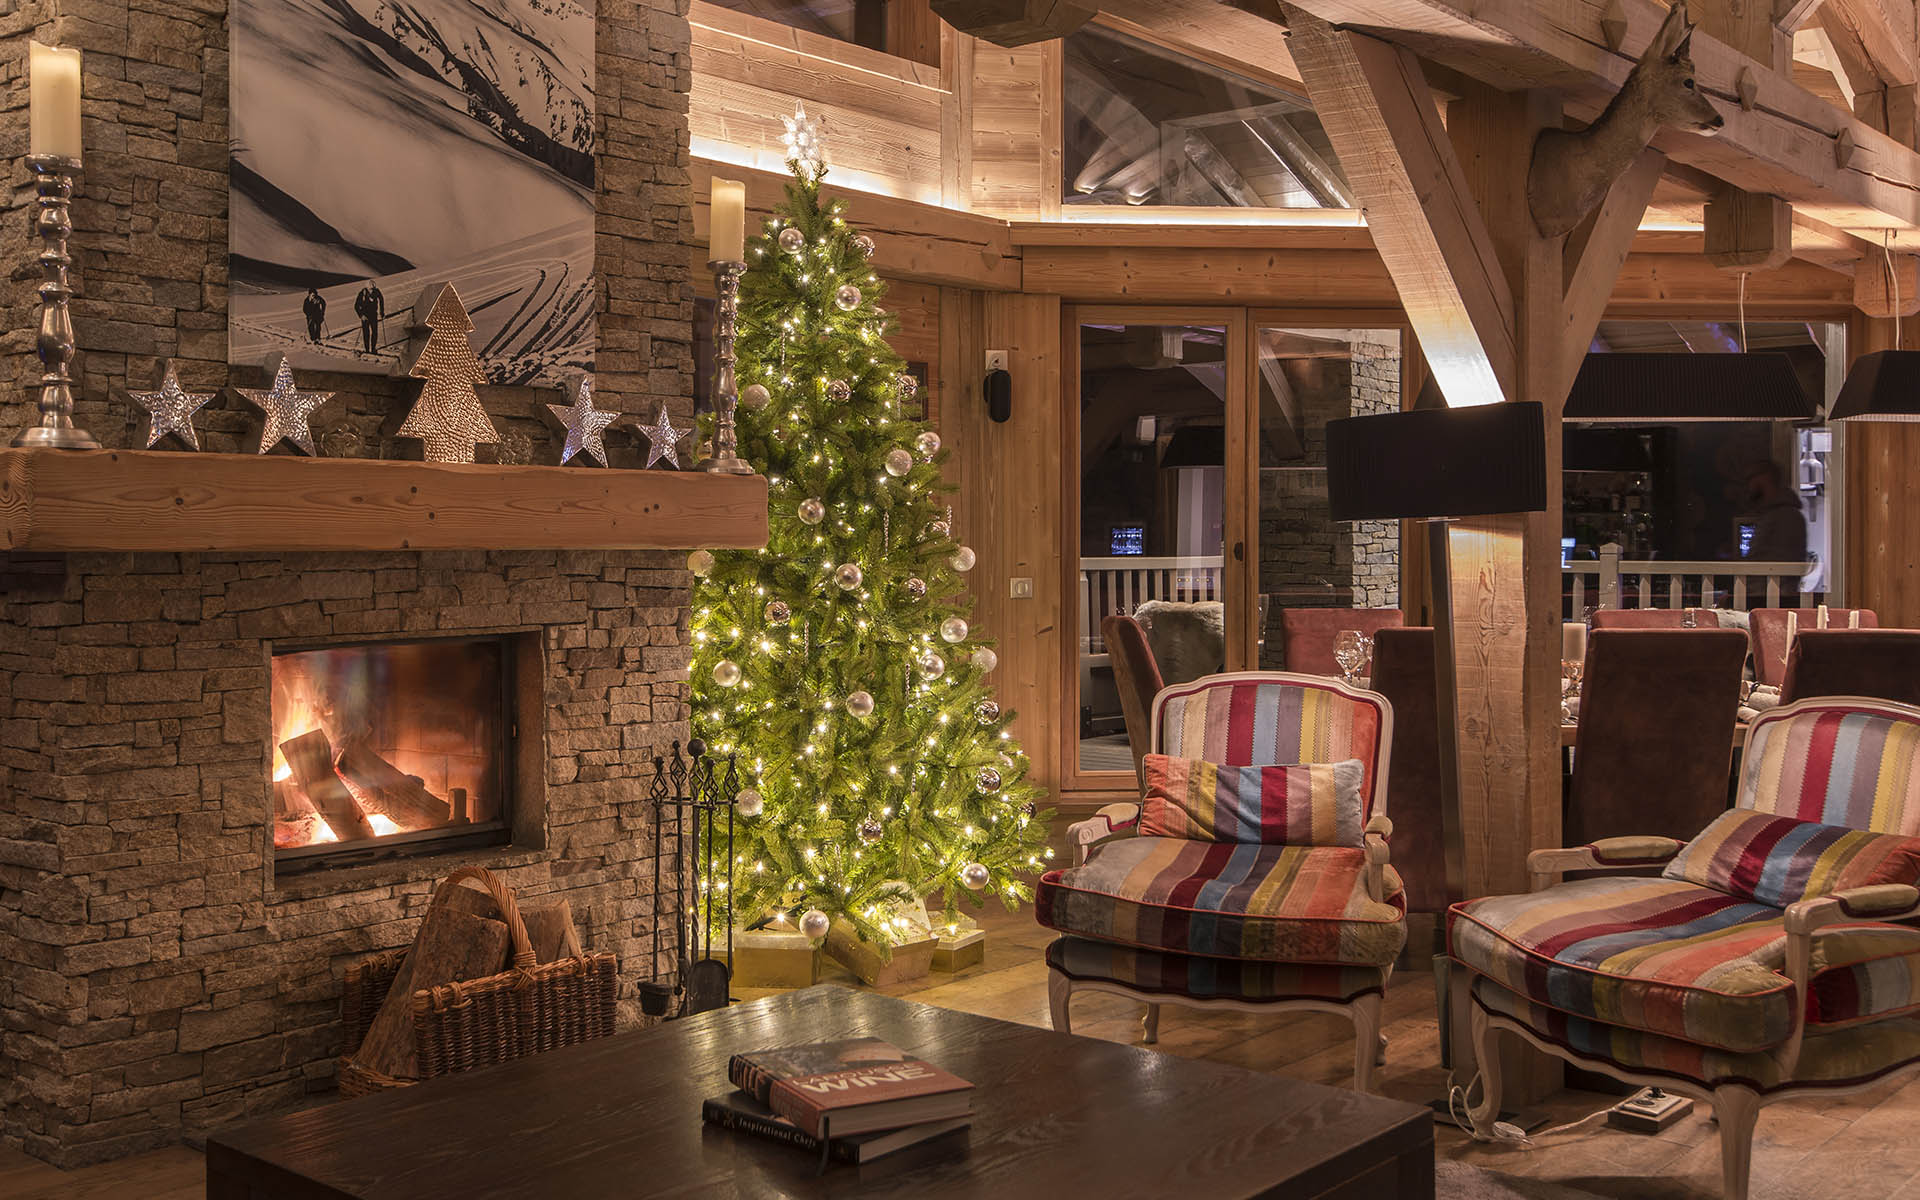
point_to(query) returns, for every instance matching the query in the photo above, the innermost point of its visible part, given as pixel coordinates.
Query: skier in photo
(316, 310)
(371, 307)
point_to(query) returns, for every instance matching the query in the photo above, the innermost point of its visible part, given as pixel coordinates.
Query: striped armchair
(1248, 924)
(1772, 957)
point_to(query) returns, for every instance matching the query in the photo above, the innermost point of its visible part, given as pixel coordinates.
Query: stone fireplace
(163, 968)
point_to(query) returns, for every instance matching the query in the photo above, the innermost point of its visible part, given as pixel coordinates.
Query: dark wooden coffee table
(1055, 1117)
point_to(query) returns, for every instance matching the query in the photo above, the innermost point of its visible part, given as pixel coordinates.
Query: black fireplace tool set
(688, 798)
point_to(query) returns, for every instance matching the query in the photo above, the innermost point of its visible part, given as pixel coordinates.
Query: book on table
(737, 1110)
(851, 1086)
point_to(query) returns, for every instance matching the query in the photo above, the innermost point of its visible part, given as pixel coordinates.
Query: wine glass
(1571, 672)
(1349, 651)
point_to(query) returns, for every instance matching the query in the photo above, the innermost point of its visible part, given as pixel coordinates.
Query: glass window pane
(1153, 405)
(1147, 126)
(1305, 378)
(862, 22)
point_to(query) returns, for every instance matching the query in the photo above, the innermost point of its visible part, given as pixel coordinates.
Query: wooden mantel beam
(1788, 144)
(1386, 128)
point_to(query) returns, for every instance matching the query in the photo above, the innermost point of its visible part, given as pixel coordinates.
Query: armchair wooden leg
(1150, 1025)
(1059, 991)
(1487, 1050)
(1737, 1109)
(1366, 1040)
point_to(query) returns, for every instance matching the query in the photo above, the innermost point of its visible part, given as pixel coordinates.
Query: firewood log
(549, 921)
(451, 946)
(310, 756)
(386, 789)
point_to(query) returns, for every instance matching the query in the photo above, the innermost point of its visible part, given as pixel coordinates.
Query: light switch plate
(1020, 588)
(996, 360)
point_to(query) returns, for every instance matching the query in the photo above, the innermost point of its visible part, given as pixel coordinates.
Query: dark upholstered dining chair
(1307, 634)
(1653, 618)
(1655, 743)
(1769, 626)
(1403, 672)
(1137, 677)
(1882, 664)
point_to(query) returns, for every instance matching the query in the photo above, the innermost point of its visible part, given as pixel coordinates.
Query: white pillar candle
(727, 222)
(1573, 641)
(53, 123)
(1820, 617)
(1853, 618)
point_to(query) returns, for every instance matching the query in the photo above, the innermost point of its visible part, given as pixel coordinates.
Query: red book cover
(851, 1086)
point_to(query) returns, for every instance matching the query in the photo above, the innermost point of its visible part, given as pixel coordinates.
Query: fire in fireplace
(389, 747)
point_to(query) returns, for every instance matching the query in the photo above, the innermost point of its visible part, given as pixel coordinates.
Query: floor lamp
(1437, 465)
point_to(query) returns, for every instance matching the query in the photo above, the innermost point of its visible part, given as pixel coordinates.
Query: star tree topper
(584, 423)
(802, 141)
(663, 439)
(448, 417)
(288, 408)
(170, 407)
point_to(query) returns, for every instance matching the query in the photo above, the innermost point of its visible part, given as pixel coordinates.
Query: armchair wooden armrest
(1606, 854)
(1379, 829)
(1114, 820)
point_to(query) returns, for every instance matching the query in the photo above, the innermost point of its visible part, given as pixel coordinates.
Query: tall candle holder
(726, 458)
(53, 184)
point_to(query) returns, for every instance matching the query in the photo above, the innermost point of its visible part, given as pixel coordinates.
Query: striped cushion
(1835, 767)
(1680, 960)
(1263, 723)
(1781, 860)
(1159, 973)
(1315, 804)
(1833, 1057)
(1297, 904)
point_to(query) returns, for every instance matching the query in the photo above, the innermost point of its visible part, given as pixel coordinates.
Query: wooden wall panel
(1008, 506)
(1015, 167)
(1883, 497)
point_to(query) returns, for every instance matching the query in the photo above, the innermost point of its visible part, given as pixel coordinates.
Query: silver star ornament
(663, 440)
(801, 138)
(287, 408)
(584, 423)
(170, 407)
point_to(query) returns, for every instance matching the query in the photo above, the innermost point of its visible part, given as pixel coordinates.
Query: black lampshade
(1882, 386)
(1658, 388)
(1454, 462)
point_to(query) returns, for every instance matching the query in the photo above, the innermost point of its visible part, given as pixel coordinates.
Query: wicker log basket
(526, 1009)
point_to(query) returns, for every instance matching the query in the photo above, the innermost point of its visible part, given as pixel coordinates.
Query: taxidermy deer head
(1571, 172)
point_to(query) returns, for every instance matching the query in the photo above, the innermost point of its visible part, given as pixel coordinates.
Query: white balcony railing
(1118, 586)
(1613, 582)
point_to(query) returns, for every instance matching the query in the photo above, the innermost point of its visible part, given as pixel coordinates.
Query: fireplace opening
(389, 748)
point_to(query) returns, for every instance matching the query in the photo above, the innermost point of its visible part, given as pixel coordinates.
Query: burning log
(389, 791)
(310, 757)
(451, 946)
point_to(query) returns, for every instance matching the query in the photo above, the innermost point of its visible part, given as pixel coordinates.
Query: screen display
(1129, 539)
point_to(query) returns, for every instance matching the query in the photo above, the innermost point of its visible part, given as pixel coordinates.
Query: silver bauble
(988, 781)
(870, 830)
(908, 385)
(860, 704)
(847, 298)
(899, 462)
(847, 575)
(750, 803)
(863, 244)
(838, 390)
(700, 562)
(1029, 808)
(953, 629)
(932, 665)
(916, 589)
(755, 396)
(962, 559)
(777, 612)
(974, 875)
(813, 924)
(791, 240)
(928, 444)
(726, 673)
(939, 529)
(985, 660)
(987, 712)
(811, 511)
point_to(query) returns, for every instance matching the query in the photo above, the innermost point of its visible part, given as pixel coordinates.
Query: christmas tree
(448, 416)
(837, 665)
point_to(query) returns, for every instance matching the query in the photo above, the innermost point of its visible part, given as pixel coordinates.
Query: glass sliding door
(1303, 376)
(1154, 517)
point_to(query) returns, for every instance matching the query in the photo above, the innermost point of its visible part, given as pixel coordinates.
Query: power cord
(1503, 1132)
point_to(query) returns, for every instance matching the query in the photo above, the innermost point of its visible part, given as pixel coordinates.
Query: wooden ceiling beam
(1884, 30)
(1387, 132)
(1790, 15)
(1594, 254)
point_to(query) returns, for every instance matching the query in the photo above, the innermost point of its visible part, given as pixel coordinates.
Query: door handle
(1239, 552)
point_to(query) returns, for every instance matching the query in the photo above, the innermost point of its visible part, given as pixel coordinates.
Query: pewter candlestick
(53, 182)
(726, 458)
